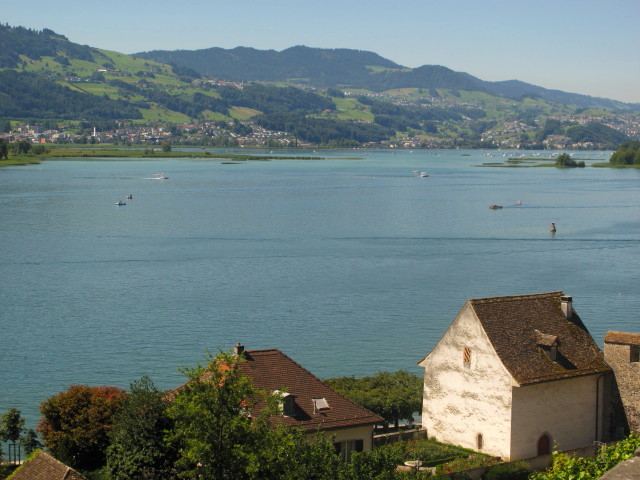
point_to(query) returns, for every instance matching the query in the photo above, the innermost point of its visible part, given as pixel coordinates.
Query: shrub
(467, 463)
(509, 471)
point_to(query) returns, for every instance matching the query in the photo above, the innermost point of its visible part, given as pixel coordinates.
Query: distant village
(504, 135)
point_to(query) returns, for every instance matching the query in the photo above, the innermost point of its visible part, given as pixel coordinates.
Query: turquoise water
(350, 265)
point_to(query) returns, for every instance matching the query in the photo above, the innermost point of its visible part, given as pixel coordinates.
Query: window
(320, 404)
(287, 403)
(479, 442)
(466, 357)
(553, 352)
(634, 353)
(344, 449)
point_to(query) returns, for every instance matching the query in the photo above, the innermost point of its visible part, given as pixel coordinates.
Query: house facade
(309, 403)
(515, 377)
(622, 353)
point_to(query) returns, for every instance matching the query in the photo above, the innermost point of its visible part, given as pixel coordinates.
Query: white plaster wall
(564, 409)
(460, 402)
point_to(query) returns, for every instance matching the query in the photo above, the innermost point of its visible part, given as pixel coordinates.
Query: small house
(308, 402)
(515, 377)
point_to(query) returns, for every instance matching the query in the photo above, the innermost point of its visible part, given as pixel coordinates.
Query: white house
(514, 377)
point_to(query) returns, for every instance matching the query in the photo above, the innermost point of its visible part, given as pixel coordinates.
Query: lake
(350, 264)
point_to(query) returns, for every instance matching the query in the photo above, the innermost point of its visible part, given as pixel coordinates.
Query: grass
(146, 152)
(243, 113)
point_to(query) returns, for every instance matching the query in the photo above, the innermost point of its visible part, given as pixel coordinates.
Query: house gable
(467, 390)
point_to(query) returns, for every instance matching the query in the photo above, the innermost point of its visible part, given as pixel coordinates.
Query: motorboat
(129, 197)
(424, 174)
(160, 176)
(120, 202)
(493, 206)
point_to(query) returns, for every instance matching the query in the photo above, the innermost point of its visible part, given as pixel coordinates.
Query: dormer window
(634, 353)
(287, 403)
(320, 405)
(548, 343)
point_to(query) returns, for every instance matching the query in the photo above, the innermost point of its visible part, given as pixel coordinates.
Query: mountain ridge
(357, 69)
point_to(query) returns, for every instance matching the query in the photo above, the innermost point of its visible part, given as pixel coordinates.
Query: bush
(509, 471)
(467, 463)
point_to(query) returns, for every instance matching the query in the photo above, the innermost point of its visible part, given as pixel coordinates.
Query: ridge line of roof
(508, 298)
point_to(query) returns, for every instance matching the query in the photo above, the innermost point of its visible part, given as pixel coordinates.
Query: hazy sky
(588, 46)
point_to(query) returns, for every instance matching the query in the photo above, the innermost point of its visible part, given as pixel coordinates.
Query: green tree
(394, 396)
(4, 149)
(75, 424)
(11, 425)
(213, 431)
(21, 147)
(12, 430)
(222, 430)
(137, 448)
(565, 160)
(626, 154)
(166, 146)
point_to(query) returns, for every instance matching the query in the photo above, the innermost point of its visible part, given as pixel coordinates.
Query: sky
(591, 47)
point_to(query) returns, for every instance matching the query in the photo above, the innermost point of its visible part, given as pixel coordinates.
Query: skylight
(320, 404)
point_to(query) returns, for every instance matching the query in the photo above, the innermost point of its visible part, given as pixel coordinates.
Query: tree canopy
(138, 448)
(393, 396)
(627, 154)
(75, 424)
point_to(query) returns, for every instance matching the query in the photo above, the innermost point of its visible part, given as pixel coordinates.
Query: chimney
(238, 349)
(566, 305)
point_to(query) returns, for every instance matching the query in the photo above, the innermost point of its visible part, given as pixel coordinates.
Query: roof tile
(514, 326)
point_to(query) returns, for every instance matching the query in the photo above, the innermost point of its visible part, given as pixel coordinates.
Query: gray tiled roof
(522, 329)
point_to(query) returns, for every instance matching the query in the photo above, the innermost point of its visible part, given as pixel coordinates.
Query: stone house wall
(627, 376)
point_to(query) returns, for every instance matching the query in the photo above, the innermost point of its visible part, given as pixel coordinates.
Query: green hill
(337, 97)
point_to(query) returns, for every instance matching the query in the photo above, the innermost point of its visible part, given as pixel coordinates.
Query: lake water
(350, 265)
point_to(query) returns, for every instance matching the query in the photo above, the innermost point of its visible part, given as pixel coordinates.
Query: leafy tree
(4, 149)
(166, 146)
(222, 430)
(626, 154)
(394, 396)
(75, 424)
(565, 160)
(12, 430)
(138, 449)
(213, 431)
(11, 425)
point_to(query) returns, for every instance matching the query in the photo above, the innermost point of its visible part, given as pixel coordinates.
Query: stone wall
(627, 376)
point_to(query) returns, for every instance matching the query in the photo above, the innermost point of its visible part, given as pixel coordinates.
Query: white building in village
(516, 377)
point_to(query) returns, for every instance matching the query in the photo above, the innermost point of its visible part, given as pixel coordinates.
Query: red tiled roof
(622, 337)
(43, 466)
(519, 327)
(273, 370)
